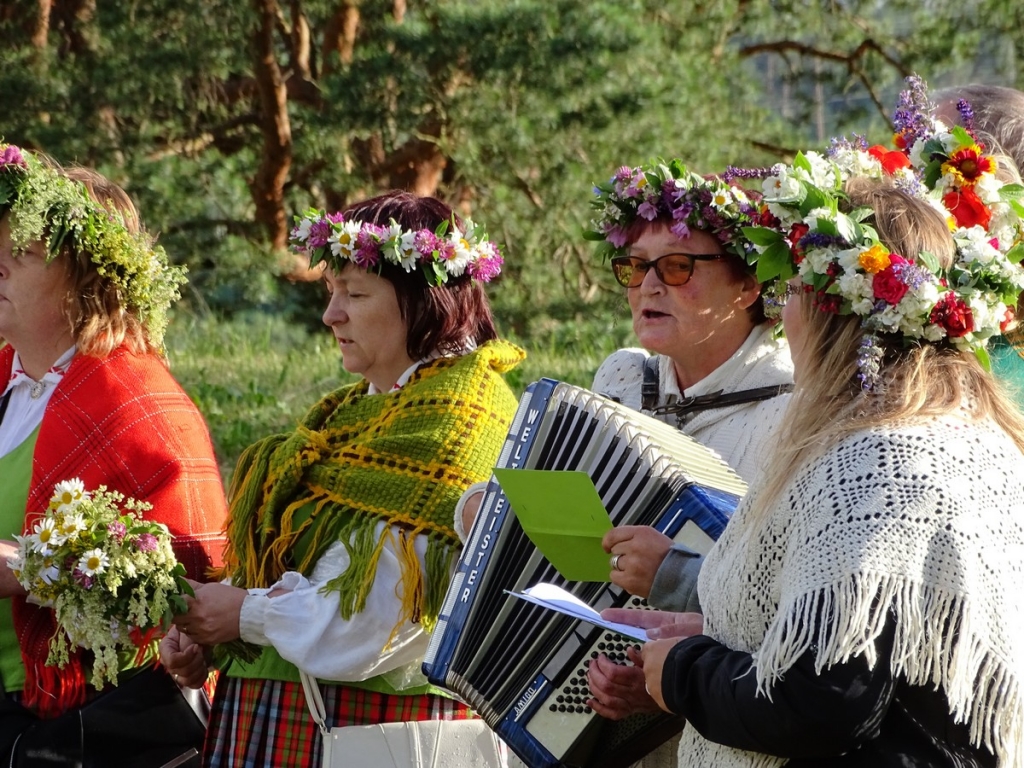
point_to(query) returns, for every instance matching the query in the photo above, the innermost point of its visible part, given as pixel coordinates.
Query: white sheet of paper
(557, 599)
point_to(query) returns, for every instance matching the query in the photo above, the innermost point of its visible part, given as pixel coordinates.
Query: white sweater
(740, 434)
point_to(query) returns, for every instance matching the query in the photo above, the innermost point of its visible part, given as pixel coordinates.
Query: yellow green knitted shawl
(403, 456)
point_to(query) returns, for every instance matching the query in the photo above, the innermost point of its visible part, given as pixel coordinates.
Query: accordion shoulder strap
(649, 388)
(722, 399)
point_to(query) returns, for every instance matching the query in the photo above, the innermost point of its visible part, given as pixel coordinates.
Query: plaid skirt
(267, 724)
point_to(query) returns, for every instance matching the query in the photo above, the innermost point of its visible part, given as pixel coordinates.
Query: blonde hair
(100, 321)
(918, 382)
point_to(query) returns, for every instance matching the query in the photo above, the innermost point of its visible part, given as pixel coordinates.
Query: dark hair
(738, 268)
(440, 318)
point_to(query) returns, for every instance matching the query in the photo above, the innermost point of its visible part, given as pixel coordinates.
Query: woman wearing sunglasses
(675, 243)
(718, 371)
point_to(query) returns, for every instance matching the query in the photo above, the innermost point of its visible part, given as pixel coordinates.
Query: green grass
(257, 374)
(251, 376)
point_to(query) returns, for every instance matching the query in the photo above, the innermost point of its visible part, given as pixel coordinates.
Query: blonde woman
(862, 608)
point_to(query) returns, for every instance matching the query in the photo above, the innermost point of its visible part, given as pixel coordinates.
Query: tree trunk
(340, 36)
(276, 154)
(300, 43)
(41, 28)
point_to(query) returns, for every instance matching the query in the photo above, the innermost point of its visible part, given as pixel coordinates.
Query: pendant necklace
(37, 389)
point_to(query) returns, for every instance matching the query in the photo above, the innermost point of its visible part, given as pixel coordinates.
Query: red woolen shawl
(125, 423)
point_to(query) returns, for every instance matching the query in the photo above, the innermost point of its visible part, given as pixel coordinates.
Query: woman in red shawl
(85, 393)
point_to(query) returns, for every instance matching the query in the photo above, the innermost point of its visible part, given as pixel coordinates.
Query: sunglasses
(671, 269)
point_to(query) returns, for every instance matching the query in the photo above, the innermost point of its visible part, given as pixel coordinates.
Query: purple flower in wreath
(12, 157)
(910, 119)
(647, 210)
(680, 229)
(426, 242)
(82, 578)
(616, 235)
(963, 106)
(319, 233)
(486, 268)
(368, 246)
(146, 542)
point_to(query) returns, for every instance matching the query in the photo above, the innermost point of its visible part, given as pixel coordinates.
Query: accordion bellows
(523, 667)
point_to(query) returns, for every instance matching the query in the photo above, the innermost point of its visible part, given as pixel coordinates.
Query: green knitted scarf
(404, 457)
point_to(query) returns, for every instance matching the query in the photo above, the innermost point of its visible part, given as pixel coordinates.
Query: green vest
(16, 470)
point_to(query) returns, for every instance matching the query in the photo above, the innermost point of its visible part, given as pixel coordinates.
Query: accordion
(522, 667)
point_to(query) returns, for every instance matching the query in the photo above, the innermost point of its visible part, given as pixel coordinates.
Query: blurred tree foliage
(223, 118)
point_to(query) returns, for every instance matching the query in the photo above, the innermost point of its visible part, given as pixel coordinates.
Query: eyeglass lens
(672, 269)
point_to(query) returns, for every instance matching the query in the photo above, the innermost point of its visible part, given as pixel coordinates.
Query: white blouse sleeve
(304, 624)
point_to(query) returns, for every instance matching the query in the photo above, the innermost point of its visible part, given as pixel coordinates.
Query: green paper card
(563, 516)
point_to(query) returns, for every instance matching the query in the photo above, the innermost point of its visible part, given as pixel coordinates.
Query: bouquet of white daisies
(108, 573)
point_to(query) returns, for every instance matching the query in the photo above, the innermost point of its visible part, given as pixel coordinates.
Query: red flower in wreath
(1008, 319)
(887, 284)
(828, 302)
(796, 233)
(765, 218)
(891, 160)
(953, 315)
(968, 165)
(967, 208)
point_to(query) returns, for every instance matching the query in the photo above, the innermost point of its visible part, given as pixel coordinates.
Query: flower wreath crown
(839, 257)
(47, 206)
(671, 191)
(441, 253)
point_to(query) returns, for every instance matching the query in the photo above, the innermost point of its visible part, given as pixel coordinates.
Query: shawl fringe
(936, 644)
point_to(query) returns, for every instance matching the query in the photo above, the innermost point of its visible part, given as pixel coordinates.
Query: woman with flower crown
(676, 244)
(340, 535)
(862, 606)
(86, 395)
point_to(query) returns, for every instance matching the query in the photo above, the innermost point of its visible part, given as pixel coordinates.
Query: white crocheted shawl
(923, 524)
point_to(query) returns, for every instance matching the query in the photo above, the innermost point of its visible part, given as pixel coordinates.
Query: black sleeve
(808, 715)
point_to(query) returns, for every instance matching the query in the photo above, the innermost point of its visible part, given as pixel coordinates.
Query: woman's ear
(750, 290)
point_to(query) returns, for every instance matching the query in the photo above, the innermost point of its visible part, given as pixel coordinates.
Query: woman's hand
(213, 614)
(654, 654)
(619, 691)
(638, 551)
(184, 658)
(9, 586)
